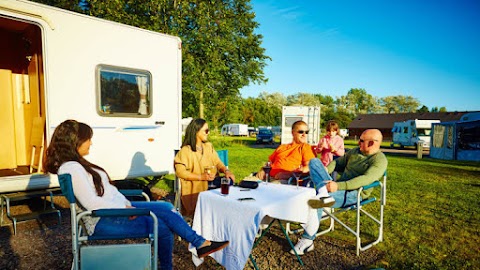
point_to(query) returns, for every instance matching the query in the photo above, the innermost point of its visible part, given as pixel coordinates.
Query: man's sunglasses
(302, 131)
(362, 141)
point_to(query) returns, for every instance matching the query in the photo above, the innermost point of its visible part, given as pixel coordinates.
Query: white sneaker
(303, 246)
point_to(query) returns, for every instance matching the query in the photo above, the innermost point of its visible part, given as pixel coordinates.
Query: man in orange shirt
(291, 157)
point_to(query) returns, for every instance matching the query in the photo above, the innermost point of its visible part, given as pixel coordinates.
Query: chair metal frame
(331, 214)
(358, 206)
(79, 238)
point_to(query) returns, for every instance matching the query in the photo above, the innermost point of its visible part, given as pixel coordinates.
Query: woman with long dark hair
(197, 163)
(70, 142)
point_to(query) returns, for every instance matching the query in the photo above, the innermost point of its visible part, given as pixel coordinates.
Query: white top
(86, 195)
(222, 218)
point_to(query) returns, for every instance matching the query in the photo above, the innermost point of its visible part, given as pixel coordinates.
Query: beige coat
(188, 161)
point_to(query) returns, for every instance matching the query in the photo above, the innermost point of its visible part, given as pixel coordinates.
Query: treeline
(266, 109)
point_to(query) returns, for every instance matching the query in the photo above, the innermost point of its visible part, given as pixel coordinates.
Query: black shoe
(214, 247)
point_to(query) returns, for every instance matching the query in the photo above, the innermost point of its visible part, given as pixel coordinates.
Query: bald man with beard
(360, 166)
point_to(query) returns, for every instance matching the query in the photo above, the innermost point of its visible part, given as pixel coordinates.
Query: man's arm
(373, 173)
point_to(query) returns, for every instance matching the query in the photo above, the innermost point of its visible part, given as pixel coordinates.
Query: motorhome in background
(234, 130)
(125, 82)
(343, 132)
(411, 132)
(308, 114)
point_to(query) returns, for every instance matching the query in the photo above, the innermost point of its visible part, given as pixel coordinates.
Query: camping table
(218, 217)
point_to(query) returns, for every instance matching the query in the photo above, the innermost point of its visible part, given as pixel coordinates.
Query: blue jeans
(319, 175)
(169, 222)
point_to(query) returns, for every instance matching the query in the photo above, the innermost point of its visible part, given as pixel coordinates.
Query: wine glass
(297, 172)
(267, 168)
(208, 169)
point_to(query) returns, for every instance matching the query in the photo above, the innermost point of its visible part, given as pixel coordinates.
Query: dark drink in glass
(224, 185)
(267, 168)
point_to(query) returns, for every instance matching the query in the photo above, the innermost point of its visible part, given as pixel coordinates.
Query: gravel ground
(45, 245)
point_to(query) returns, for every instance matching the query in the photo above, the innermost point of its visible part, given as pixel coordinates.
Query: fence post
(419, 149)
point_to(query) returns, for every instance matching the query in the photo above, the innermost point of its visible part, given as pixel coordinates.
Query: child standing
(331, 145)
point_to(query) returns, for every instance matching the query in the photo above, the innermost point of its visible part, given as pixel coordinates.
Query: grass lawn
(432, 216)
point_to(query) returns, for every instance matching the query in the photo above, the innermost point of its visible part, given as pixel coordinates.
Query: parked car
(264, 136)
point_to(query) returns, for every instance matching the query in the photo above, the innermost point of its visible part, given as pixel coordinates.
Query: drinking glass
(209, 170)
(297, 172)
(224, 185)
(267, 168)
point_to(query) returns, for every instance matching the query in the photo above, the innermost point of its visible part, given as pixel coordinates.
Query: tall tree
(358, 101)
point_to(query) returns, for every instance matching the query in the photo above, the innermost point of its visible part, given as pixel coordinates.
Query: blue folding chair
(86, 255)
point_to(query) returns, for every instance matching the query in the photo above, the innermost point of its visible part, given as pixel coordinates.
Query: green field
(432, 216)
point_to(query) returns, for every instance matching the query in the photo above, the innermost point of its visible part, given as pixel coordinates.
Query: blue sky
(428, 49)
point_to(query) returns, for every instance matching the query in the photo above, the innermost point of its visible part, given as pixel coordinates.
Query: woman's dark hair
(191, 133)
(63, 147)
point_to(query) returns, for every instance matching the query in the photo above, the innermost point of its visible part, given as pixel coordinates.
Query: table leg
(286, 236)
(290, 242)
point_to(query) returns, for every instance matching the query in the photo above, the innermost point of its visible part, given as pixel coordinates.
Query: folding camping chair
(359, 207)
(332, 215)
(86, 255)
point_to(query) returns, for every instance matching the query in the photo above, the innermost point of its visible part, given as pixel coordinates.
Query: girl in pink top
(331, 144)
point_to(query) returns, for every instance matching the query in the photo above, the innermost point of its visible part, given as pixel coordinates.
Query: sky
(428, 49)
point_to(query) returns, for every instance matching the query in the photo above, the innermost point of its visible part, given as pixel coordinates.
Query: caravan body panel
(310, 115)
(82, 58)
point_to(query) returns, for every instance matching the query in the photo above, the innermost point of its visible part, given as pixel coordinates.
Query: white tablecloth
(220, 218)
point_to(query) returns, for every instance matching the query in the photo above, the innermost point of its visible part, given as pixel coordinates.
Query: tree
(358, 101)
(399, 104)
(423, 109)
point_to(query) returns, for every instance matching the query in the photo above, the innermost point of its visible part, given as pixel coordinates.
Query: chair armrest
(131, 192)
(134, 193)
(121, 212)
(372, 185)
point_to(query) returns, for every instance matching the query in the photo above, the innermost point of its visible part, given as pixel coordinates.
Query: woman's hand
(230, 175)
(206, 177)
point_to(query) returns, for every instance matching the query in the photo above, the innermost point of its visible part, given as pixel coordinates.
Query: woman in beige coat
(197, 163)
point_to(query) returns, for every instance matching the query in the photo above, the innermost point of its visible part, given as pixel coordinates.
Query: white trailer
(234, 130)
(125, 82)
(308, 114)
(412, 132)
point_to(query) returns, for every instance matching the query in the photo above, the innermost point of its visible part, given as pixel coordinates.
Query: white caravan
(411, 132)
(310, 115)
(234, 130)
(123, 81)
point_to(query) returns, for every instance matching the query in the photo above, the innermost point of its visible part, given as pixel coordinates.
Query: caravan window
(123, 92)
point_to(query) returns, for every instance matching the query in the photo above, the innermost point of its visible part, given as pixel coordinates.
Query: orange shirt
(287, 157)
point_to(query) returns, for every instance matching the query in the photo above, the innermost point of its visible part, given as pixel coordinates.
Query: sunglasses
(302, 131)
(362, 141)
